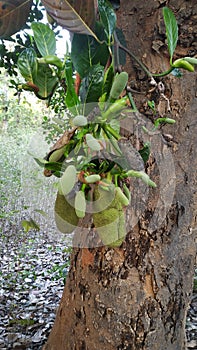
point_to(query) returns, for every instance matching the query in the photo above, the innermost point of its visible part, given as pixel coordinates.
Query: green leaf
(44, 38)
(41, 212)
(91, 85)
(108, 80)
(29, 224)
(45, 81)
(145, 152)
(54, 166)
(52, 60)
(71, 98)
(107, 17)
(27, 64)
(40, 161)
(122, 40)
(171, 30)
(86, 51)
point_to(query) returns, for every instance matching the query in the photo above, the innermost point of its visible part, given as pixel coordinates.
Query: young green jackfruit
(65, 215)
(122, 198)
(103, 199)
(67, 181)
(80, 204)
(109, 218)
(110, 225)
(119, 84)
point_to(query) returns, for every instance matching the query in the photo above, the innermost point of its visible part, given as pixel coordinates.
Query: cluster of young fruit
(92, 183)
(95, 194)
(79, 193)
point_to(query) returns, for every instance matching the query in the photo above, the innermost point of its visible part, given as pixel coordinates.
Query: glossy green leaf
(52, 60)
(91, 85)
(44, 38)
(27, 64)
(71, 98)
(86, 51)
(107, 17)
(45, 81)
(108, 80)
(171, 30)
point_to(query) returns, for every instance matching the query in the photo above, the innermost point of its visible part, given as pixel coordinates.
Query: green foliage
(145, 151)
(8, 57)
(91, 51)
(45, 81)
(91, 86)
(27, 64)
(171, 26)
(38, 74)
(71, 98)
(108, 18)
(171, 30)
(29, 224)
(44, 38)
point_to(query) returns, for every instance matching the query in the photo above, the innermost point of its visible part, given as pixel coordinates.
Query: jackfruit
(109, 217)
(65, 215)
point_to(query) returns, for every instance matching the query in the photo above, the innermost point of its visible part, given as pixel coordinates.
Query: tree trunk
(137, 296)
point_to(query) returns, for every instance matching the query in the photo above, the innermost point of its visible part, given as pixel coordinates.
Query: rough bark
(137, 296)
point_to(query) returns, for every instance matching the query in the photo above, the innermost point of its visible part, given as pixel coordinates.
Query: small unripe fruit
(92, 178)
(80, 120)
(119, 84)
(67, 180)
(80, 204)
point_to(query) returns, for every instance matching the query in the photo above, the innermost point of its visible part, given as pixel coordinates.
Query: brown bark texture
(136, 297)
